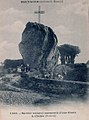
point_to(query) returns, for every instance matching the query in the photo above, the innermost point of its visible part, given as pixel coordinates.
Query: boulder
(38, 46)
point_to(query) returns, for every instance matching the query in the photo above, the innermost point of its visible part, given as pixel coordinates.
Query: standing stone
(38, 46)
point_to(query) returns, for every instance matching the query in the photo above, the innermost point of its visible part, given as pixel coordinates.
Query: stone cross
(39, 12)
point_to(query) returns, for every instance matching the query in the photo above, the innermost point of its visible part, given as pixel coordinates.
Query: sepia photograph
(44, 60)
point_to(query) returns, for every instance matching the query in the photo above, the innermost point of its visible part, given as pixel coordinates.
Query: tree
(8, 63)
(68, 53)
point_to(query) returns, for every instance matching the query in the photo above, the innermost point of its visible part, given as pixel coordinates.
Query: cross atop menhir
(39, 12)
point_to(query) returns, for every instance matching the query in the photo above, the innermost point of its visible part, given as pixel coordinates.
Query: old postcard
(44, 60)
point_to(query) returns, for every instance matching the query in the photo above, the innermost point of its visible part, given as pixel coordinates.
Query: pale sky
(69, 21)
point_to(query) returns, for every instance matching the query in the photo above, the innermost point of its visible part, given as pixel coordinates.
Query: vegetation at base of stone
(75, 72)
(68, 53)
(78, 72)
(8, 63)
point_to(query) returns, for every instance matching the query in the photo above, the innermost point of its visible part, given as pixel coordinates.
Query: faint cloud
(78, 8)
(16, 27)
(81, 8)
(12, 15)
(5, 45)
(63, 30)
(8, 51)
(10, 11)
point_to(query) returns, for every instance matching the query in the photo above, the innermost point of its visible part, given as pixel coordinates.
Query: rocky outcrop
(38, 46)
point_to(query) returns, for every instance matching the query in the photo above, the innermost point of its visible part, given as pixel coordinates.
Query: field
(13, 92)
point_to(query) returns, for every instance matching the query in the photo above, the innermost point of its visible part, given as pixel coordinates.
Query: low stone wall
(53, 86)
